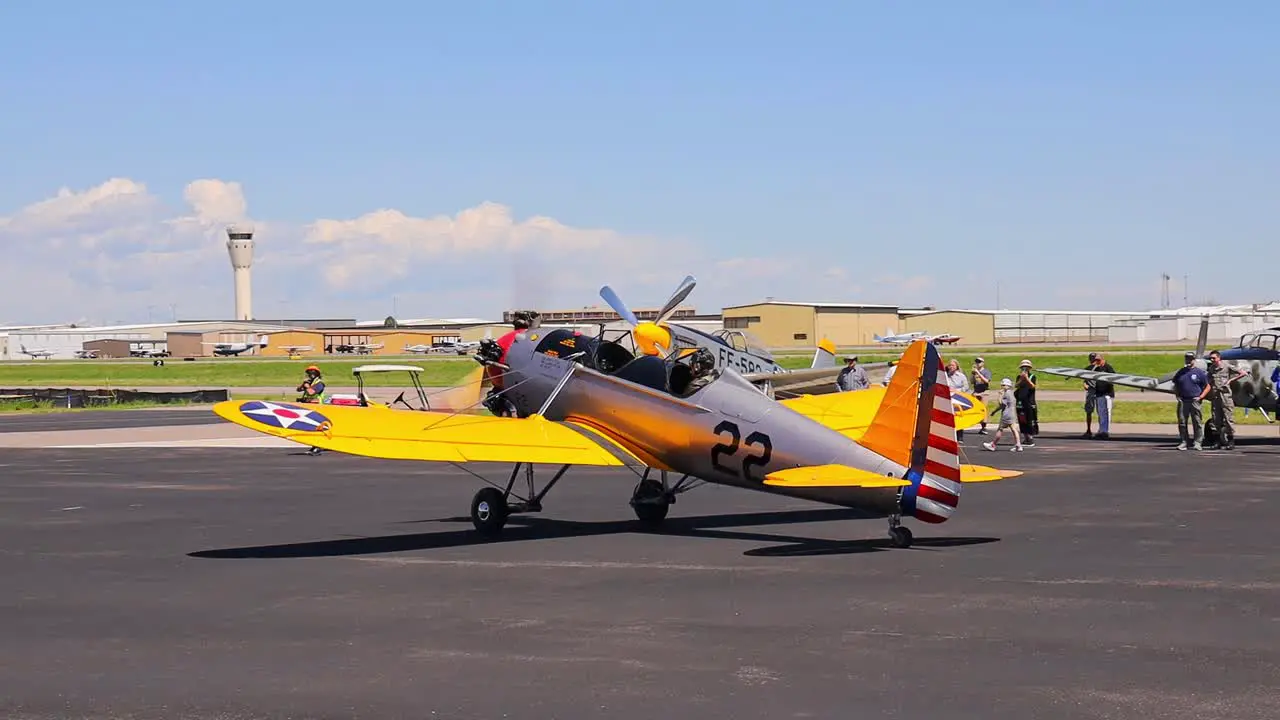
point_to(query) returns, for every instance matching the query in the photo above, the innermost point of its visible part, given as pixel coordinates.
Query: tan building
(785, 325)
(108, 349)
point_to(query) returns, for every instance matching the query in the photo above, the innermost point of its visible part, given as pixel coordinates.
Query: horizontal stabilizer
(830, 476)
(981, 473)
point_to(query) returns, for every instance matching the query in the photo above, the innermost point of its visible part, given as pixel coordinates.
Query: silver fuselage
(727, 432)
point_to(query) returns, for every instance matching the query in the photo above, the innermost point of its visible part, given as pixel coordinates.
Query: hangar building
(780, 324)
(799, 325)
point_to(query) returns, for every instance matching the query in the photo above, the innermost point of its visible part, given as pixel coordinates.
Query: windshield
(745, 341)
(1265, 341)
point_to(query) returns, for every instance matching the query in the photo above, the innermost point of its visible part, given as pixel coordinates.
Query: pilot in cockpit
(702, 364)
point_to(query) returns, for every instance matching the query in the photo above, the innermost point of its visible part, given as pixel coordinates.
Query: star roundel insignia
(282, 415)
(960, 402)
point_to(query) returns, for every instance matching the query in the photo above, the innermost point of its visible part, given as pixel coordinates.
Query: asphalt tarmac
(1116, 579)
(105, 419)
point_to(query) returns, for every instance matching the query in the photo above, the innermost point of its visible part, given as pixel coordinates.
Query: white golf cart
(361, 398)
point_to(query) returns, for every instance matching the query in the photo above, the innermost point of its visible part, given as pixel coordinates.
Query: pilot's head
(522, 321)
(702, 361)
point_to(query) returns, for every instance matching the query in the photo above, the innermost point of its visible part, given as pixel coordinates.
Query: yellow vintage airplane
(584, 401)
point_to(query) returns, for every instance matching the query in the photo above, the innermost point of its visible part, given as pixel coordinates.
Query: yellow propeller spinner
(652, 338)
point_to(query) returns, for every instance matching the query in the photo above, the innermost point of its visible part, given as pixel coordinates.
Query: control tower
(240, 247)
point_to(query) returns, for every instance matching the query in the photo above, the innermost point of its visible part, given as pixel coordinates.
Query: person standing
(1008, 409)
(888, 374)
(1191, 384)
(1028, 413)
(981, 378)
(1220, 378)
(852, 377)
(1104, 396)
(958, 383)
(1090, 398)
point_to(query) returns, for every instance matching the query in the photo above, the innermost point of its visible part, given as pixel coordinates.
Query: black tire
(489, 511)
(649, 512)
(900, 537)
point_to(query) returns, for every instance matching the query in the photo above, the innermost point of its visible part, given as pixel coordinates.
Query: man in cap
(852, 377)
(1191, 384)
(981, 377)
(1090, 397)
(1025, 393)
(1221, 376)
(1104, 395)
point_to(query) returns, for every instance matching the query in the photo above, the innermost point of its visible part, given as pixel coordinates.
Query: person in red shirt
(520, 324)
(496, 403)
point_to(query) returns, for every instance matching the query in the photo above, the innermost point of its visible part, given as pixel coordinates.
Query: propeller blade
(682, 292)
(618, 306)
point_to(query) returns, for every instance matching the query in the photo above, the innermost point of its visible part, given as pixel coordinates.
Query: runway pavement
(20, 422)
(1116, 579)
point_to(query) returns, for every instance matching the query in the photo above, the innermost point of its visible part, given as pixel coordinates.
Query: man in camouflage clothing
(1220, 378)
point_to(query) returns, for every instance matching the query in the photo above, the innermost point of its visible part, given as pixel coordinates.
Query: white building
(1226, 324)
(65, 341)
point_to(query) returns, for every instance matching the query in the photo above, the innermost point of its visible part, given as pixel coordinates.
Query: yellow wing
(433, 436)
(830, 476)
(851, 413)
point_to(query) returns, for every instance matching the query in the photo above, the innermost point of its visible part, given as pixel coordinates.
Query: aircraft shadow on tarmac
(523, 528)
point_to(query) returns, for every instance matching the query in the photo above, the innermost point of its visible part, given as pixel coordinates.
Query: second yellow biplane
(581, 400)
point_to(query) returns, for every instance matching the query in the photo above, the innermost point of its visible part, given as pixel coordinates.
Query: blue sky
(856, 151)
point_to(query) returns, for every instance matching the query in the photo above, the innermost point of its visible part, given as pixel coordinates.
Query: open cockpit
(680, 375)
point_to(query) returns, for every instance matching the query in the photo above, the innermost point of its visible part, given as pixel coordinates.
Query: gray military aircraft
(731, 348)
(583, 400)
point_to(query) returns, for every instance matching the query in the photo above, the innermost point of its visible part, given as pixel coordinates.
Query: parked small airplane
(359, 349)
(36, 352)
(586, 401)
(86, 354)
(892, 338)
(1257, 355)
(226, 348)
(731, 348)
(419, 349)
(943, 339)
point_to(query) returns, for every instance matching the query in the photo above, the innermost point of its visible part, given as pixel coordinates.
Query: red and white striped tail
(939, 490)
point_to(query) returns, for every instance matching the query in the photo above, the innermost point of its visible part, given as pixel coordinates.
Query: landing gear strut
(491, 507)
(652, 499)
(898, 535)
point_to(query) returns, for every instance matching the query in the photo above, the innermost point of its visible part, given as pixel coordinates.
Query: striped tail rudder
(934, 471)
(915, 427)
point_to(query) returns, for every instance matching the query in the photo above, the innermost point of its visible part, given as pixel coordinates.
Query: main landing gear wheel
(650, 502)
(900, 536)
(489, 511)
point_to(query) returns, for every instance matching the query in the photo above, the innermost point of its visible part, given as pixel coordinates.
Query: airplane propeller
(650, 334)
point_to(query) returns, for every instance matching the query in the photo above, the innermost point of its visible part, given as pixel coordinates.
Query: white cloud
(111, 251)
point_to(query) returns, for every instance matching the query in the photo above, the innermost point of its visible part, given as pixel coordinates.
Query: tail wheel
(489, 511)
(650, 502)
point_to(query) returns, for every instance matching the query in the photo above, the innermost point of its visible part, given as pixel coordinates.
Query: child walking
(1008, 410)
